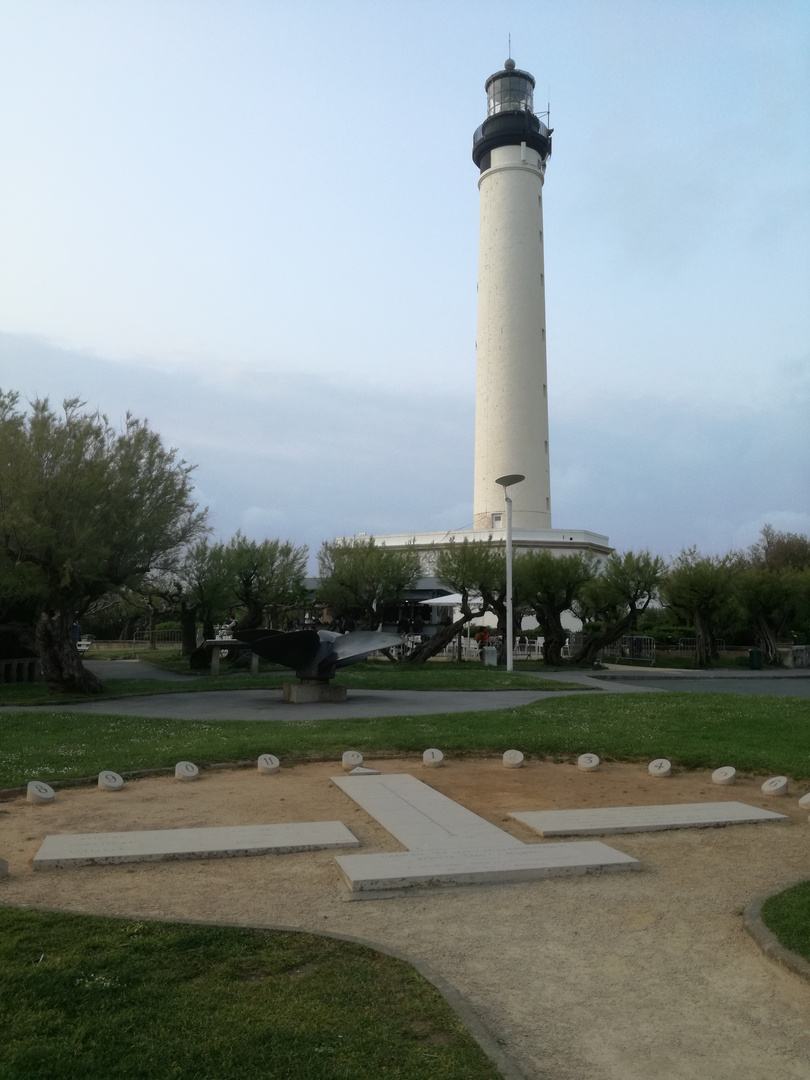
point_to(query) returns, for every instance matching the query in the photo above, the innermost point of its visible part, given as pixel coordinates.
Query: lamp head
(509, 479)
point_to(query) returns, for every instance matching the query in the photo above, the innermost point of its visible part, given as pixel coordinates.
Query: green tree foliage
(266, 578)
(616, 597)
(773, 588)
(84, 510)
(359, 577)
(780, 550)
(475, 569)
(701, 589)
(203, 590)
(549, 585)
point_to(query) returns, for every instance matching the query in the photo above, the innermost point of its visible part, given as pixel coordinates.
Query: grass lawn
(86, 998)
(788, 916)
(756, 734)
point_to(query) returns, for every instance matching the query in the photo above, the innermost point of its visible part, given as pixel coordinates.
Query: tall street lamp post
(506, 482)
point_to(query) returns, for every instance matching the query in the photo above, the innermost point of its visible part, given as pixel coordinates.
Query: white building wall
(511, 407)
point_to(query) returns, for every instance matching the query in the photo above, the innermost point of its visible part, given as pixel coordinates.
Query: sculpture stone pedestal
(311, 691)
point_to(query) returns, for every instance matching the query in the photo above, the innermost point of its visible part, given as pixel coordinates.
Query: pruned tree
(616, 597)
(203, 589)
(701, 590)
(358, 577)
(780, 550)
(266, 578)
(549, 585)
(476, 570)
(773, 588)
(85, 509)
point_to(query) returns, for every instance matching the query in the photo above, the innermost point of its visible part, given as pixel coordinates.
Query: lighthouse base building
(511, 150)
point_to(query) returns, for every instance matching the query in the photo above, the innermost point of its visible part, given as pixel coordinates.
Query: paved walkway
(265, 704)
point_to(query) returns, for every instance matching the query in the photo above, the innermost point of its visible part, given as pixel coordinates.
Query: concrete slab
(626, 819)
(84, 849)
(422, 818)
(528, 862)
(450, 845)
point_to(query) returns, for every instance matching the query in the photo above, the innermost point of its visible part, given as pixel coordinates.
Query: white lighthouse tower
(511, 149)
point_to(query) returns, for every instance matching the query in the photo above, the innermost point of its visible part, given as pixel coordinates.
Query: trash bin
(755, 659)
(490, 656)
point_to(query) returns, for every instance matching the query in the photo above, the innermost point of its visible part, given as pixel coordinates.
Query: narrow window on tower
(545, 390)
(543, 332)
(546, 447)
(548, 503)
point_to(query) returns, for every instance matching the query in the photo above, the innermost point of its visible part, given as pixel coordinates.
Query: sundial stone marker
(110, 781)
(777, 785)
(268, 763)
(361, 770)
(186, 770)
(513, 759)
(805, 800)
(39, 792)
(351, 760)
(433, 758)
(588, 762)
(660, 767)
(726, 775)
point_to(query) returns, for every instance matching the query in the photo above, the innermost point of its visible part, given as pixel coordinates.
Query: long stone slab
(529, 862)
(222, 842)
(627, 819)
(422, 818)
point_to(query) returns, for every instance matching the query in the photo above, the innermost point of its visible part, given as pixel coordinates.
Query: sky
(255, 223)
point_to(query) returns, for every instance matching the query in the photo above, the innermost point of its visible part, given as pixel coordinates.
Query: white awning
(452, 600)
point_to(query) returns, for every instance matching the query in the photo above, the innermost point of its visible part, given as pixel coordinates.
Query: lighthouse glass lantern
(510, 91)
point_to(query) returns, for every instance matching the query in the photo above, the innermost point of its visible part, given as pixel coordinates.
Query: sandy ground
(626, 976)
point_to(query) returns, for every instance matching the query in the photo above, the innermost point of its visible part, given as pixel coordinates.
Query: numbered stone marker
(352, 759)
(110, 781)
(660, 767)
(805, 800)
(777, 785)
(3, 868)
(726, 775)
(433, 758)
(268, 763)
(186, 770)
(39, 792)
(588, 762)
(513, 759)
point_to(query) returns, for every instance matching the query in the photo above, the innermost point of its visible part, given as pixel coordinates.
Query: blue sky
(256, 224)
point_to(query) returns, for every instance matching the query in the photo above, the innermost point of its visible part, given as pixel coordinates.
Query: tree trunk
(592, 644)
(704, 641)
(767, 639)
(435, 644)
(62, 666)
(552, 648)
(188, 628)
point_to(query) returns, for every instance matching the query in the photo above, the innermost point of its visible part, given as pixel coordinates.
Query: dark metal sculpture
(315, 654)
